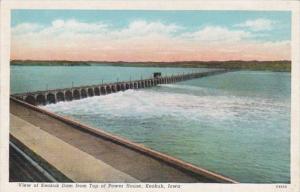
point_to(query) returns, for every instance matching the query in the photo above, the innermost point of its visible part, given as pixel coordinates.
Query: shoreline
(275, 66)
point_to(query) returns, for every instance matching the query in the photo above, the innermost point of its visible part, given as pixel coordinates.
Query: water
(236, 124)
(36, 78)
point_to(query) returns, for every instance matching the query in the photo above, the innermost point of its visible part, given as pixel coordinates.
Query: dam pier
(75, 93)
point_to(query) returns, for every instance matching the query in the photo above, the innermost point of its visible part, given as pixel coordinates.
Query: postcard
(150, 96)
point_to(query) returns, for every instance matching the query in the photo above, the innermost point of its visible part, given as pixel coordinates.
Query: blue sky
(182, 35)
(191, 20)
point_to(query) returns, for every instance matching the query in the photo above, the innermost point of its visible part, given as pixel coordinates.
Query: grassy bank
(245, 65)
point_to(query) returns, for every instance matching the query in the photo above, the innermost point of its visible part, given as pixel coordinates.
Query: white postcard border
(293, 6)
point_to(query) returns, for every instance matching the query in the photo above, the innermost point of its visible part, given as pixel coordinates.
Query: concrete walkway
(92, 155)
(74, 163)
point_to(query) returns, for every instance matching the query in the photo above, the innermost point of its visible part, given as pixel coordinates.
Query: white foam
(178, 86)
(152, 103)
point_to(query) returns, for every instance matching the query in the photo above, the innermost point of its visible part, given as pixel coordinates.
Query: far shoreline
(275, 66)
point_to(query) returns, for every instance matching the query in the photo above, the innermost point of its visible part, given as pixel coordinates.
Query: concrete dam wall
(75, 93)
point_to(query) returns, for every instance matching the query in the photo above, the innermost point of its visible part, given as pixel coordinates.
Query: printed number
(281, 186)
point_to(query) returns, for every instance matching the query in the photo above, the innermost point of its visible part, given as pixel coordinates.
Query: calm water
(236, 124)
(34, 78)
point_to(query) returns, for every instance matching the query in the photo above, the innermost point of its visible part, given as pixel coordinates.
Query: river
(236, 124)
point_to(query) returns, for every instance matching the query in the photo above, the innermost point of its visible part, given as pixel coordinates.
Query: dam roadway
(81, 153)
(75, 93)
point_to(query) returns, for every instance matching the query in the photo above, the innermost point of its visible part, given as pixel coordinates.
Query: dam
(76, 93)
(111, 151)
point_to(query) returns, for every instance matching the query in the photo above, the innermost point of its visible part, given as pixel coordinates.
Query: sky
(145, 35)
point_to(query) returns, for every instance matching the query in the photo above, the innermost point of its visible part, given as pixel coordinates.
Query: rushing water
(236, 124)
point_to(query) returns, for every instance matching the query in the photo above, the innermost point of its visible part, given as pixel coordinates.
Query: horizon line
(102, 61)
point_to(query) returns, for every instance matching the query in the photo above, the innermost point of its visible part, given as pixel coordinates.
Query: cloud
(58, 23)
(138, 41)
(258, 24)
(26, 28)
(137, 27)
(141, 27)
(58, 27)
(138, 30)
(76, 26)
(217, 33)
